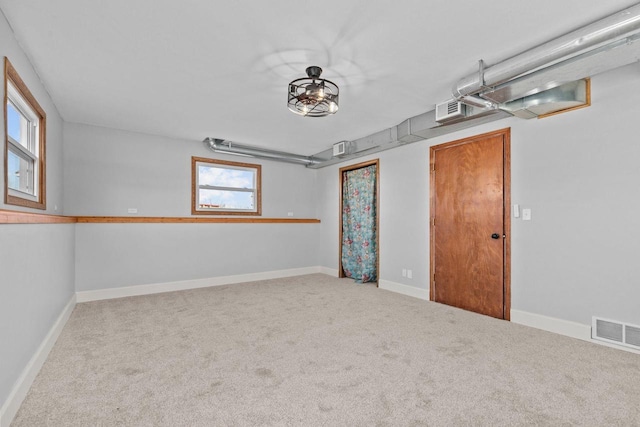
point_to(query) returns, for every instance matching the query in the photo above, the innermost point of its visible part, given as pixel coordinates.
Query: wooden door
(469, 227)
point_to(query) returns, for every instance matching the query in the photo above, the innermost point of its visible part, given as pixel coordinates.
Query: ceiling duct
(609, 30)
(228, 147)
(594, 62)
(422, 126)
(567, 96)
(604, 45)
(512, 85)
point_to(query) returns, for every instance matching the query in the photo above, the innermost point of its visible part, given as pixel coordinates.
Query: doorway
(470, 235)
(358, 253)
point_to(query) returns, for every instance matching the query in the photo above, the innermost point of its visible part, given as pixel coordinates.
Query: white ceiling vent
(450, 110)
(339, 148)
(616, 332)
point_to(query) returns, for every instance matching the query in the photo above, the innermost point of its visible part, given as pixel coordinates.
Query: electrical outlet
(289, 213)
(404, 272)
(132, 210)
(526, 214)
(409, 274)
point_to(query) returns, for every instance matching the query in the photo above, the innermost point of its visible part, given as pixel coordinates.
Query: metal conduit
(607, 30)
(228, 147)
(600, 34)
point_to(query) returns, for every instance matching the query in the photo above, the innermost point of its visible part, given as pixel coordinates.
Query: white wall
(579, 174)
(404, 213)
(36, 261)
(108, 171)
(120, 255)
(36, 265)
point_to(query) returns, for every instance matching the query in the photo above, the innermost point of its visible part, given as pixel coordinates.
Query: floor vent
(616, 332)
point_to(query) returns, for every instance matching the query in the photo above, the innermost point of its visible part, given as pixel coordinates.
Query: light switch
(526, 214)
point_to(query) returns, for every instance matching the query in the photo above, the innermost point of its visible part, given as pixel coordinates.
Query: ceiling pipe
(228, 147)
(605, 31)
(476, 101)
(586, 65)
(606, 44)
(603, 45)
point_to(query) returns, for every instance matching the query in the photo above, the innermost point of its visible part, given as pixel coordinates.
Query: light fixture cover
(312, 96)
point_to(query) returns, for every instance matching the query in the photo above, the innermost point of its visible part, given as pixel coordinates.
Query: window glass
(25, 145)
(222, 187)
(225, 177)
(18, 172)
(13, 122)
(226, 199)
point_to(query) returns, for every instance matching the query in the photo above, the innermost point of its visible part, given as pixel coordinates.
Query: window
(225, 188)
(25, 144)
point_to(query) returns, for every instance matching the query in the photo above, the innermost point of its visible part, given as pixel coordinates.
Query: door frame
(341, 183)
(506, 211)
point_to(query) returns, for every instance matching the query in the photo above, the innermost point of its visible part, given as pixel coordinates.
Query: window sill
(24, 202)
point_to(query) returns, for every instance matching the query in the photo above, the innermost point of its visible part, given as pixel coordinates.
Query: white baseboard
(329, 271)
(562, 327)
(552, 324)
(156, 288)
(404, 289)
(23, 384)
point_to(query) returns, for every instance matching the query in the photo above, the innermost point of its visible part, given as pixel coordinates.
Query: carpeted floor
(316, 350)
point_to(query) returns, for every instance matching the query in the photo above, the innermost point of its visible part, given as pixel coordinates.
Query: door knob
(495, 236)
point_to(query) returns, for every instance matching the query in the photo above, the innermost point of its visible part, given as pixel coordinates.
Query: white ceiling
(196, 68)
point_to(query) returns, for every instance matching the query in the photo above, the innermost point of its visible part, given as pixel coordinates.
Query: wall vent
(339, 148)
(615, 332)
(450, 110)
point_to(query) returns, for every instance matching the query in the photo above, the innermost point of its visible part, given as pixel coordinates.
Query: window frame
(195, 187)
(18, 94)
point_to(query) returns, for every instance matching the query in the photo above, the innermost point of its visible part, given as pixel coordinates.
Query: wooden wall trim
(188, 220)
(507, 223)
(15, 217)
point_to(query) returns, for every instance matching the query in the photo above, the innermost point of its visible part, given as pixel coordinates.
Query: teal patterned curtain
(359, 224)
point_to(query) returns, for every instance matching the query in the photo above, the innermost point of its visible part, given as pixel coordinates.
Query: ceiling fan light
(312, 96)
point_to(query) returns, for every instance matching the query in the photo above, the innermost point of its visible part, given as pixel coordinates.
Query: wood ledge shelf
(16, 217)
(191, 220)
